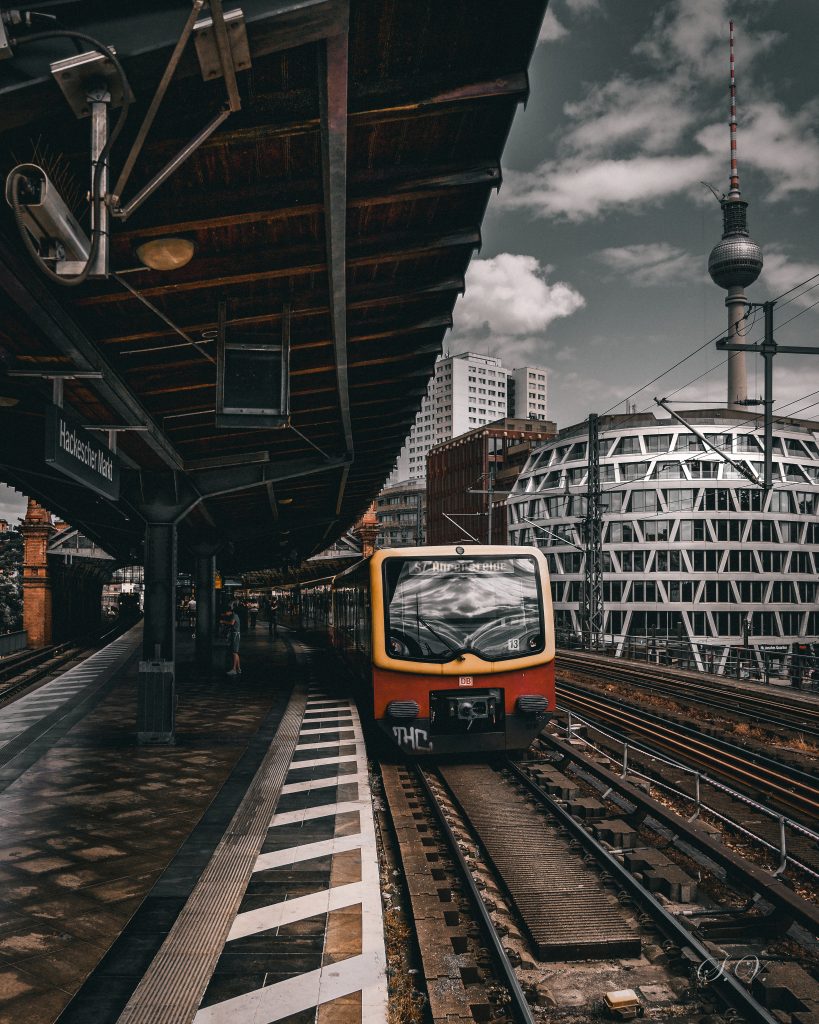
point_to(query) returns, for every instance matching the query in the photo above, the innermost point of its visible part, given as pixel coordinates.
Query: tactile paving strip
(564, 907)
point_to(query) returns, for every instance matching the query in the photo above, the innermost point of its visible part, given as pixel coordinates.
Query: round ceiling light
(166, 253)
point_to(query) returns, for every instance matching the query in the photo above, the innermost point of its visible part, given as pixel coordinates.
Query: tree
(11, 585)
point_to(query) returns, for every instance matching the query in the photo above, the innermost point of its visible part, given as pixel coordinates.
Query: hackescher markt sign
(75, 451)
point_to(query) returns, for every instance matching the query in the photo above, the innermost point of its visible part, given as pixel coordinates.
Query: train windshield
(438, 609)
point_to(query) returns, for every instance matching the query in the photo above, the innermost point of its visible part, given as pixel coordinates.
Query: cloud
(655, 263)
(509, 295)
(551, 30)
(624, 111)
(780, 274)
(630, 142)
(577, 189)
(694, 34)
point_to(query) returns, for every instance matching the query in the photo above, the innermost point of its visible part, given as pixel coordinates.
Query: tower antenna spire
(734, 188)
(736, 261)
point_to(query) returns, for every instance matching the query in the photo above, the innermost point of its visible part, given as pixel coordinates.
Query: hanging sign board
(78, 453)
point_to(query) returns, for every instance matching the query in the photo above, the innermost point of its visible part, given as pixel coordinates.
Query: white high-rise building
(527, 389)
(466, 391)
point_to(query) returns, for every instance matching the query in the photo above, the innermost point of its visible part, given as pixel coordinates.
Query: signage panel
(75, 451)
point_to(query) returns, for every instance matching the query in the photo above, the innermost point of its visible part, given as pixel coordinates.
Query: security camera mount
(90, 83)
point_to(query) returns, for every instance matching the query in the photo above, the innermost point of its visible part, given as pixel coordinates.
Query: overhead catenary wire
(716, 337)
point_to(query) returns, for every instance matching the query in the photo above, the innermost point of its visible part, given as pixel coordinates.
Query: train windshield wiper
(438, 636)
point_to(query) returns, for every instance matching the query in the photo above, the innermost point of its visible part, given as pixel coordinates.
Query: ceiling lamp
(285, 501)
(166, 253)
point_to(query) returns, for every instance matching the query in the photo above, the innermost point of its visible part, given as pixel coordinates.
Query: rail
(791, 787)
(699, 777)
(732, 991)
(520, 1006)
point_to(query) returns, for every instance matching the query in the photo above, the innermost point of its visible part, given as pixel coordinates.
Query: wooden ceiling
(350, 186)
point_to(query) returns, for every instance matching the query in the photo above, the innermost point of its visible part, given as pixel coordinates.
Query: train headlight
(396, 648)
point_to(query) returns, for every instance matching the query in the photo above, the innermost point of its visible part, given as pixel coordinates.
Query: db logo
(466, 681)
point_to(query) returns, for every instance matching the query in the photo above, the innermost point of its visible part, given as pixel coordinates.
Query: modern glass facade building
(691, 549)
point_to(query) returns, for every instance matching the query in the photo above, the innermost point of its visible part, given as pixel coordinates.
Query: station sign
(79, 454)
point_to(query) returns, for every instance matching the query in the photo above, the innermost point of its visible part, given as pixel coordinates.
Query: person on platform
(234, 635)
(273, 617)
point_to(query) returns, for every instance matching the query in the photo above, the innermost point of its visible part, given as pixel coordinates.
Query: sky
(595, 250)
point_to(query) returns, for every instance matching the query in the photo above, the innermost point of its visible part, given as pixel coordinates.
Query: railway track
(576, 926)
(778, 712)
(24, 669)
(783, 786)
(29, 667)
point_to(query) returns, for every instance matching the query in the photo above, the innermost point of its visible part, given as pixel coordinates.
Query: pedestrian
(234, 635)
(240, 607)
(273, 621)
(253, 611)
(191, 610)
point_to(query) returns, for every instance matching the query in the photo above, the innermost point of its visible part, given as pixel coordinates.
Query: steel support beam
(156, 695)
(205, 607)
(333, 73)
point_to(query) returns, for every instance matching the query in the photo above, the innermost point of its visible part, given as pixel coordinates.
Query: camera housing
(52, 226)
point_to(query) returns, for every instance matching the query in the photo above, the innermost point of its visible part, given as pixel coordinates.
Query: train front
(463, 647)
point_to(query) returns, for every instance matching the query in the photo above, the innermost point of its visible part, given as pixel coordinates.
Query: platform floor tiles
(308, 941)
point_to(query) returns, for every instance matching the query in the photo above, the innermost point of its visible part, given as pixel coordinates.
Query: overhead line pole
(768, 348)
(592, 619)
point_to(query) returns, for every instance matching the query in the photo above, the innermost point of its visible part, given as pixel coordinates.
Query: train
(454, 646)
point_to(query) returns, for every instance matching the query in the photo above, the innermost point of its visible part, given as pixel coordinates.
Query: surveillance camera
(52, 226)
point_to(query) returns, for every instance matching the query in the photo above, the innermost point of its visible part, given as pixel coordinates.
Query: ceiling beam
(373, 190)
(366, 252)
(310, 305)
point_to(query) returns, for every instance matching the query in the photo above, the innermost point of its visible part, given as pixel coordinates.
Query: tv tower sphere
(735, 261)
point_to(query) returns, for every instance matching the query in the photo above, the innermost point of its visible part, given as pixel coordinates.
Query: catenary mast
(736, 261)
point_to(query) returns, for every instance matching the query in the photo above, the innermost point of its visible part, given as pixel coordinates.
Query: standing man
(273, 622)
(234, 635)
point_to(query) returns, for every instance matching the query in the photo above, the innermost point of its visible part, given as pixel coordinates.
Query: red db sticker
(466, 681)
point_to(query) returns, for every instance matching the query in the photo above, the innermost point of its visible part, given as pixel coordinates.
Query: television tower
(736, 261)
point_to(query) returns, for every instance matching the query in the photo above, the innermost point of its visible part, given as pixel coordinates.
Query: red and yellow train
(454, 645)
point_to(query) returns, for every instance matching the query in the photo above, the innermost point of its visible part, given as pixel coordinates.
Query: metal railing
(10, 642)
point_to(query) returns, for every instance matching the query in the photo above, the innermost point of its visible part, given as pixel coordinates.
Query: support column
(205, 609)
(156, 697)
(37, 530)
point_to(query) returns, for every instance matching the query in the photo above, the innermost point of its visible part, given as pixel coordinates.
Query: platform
(124, 867)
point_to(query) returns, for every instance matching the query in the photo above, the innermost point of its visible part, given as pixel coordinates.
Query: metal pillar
(205, 609)
(156, 696)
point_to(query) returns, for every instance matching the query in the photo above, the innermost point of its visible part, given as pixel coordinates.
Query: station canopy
(331, 163)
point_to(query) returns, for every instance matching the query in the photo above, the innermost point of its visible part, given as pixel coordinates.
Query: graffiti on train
(412, 737)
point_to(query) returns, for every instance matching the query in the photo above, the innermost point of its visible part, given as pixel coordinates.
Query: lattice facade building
(691, 549)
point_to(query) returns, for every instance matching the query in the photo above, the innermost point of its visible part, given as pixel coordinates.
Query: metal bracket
(222, 48)
(75, 75)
